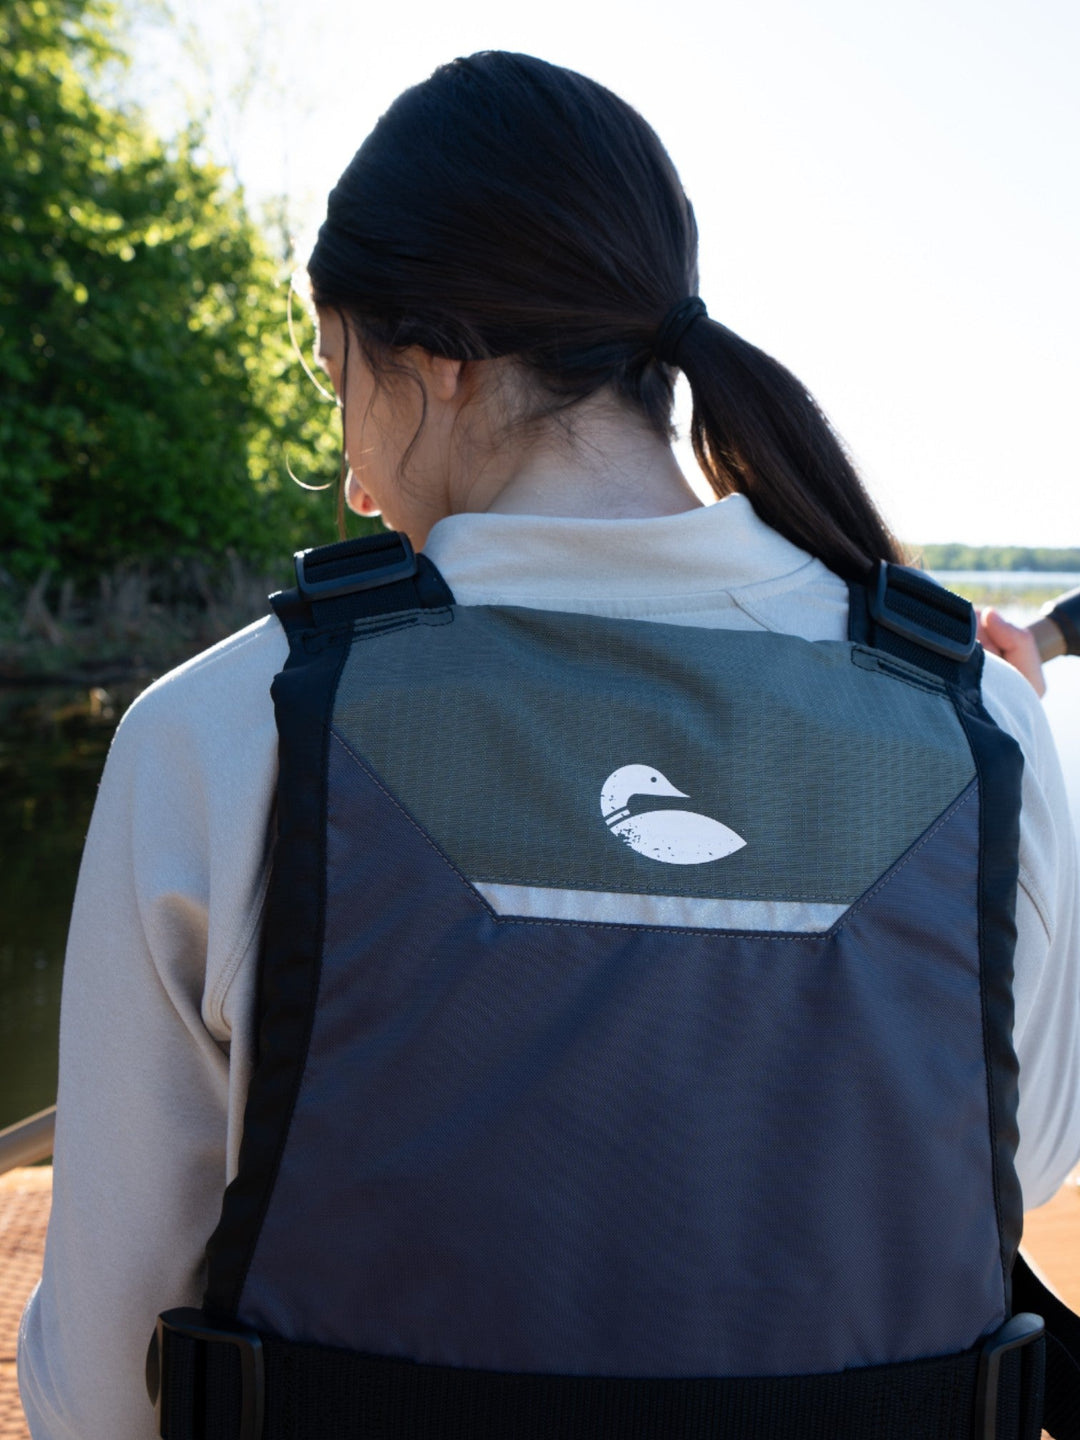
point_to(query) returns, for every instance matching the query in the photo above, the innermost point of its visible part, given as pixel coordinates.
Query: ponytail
(757, 431)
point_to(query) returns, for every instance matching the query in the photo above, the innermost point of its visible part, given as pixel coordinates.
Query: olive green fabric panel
(511, 735)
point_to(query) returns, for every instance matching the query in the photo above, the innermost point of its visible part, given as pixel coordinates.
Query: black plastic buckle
(959, 650)
(402, 569)
(193, 1325)
(1021, 1330)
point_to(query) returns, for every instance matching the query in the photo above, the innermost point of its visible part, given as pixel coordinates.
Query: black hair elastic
(674, 326)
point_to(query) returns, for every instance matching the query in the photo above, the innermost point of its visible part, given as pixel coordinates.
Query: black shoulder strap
(355, 579)
(337, 586)
(910, 616)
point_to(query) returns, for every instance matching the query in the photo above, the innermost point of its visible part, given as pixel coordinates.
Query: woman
(506, 285)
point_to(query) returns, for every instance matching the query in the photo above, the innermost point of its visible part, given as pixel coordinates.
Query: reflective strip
(614, 908)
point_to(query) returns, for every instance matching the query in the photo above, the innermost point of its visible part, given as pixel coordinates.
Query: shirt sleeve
(1047, 964)
(154, 1034)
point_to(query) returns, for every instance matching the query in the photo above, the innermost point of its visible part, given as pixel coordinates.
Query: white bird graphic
(676, 837)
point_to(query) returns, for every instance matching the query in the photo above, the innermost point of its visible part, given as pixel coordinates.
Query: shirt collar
(490, 558)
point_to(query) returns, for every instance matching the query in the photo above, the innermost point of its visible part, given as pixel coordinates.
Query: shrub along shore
(135, 623)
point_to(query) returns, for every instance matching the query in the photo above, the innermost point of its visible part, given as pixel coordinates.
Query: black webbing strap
(1062, 1419)
(315, 1393)
(354, 579)
(909, 615)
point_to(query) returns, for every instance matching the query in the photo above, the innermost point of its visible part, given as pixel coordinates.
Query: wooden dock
(1051, 1241)
(24, 1213)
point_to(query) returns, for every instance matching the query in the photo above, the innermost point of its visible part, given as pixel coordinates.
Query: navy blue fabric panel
(595, 1149)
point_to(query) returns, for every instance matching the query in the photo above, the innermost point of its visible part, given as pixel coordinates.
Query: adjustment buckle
(368, 579)
(193, 1325)
(881, 612)
(1021, 1330)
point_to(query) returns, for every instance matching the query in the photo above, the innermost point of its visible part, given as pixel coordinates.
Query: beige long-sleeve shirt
(156, 1027)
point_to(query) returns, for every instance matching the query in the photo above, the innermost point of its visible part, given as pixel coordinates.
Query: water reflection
(52, 748)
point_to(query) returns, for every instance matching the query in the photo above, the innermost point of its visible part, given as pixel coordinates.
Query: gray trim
(532, 902)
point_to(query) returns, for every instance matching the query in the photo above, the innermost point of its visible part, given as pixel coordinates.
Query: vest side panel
(593, 1148)
(1000, 764)
(303, 695)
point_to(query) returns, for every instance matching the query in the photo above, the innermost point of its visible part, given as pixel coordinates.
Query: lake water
(1053, 581)
(52, 748)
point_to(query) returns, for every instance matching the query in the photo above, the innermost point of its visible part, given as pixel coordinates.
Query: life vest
(634, 1034)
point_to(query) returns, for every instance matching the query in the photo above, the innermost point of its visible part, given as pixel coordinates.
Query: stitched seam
(412, 821)
(612, 607)
(889, 875)
(681, 929)
(377, 626)
(748, 610)
(322, 637)
(895, 669)
(573, 882)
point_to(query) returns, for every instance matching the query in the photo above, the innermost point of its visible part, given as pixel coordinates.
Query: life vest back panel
(651, 1021)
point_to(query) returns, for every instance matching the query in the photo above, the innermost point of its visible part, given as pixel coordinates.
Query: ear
(444, 378)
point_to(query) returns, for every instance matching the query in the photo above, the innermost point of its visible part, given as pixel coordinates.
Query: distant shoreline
(996, 558)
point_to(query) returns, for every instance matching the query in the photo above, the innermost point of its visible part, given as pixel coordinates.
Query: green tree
(151, 400)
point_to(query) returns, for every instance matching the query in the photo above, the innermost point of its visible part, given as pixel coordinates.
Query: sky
(887, 195)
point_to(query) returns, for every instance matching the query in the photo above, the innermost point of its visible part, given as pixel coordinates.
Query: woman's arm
(1047, 964)
(155, 1036)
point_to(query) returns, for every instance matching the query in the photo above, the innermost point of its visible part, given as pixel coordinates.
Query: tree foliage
(150, 400)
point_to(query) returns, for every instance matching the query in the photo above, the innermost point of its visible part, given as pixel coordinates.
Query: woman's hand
(1013, 643)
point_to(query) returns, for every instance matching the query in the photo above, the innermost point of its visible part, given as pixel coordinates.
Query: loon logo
(676, 837)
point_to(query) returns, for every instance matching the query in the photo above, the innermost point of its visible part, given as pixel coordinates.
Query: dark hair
(506, 206)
